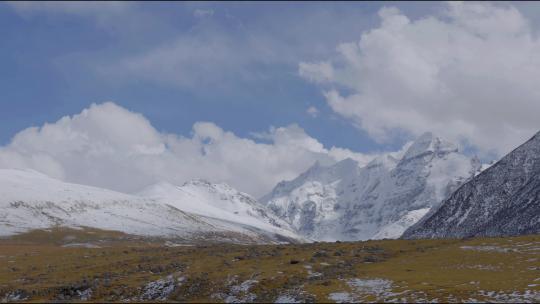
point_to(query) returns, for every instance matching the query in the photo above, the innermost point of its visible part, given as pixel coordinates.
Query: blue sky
(48, 56)
(255, 93)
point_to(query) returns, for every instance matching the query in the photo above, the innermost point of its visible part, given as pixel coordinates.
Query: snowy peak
(343, 169)
(428, 143)
(195, 187)
(381, 199)
(387, 162)
(502, 200)
(205, 184)
(346, 167)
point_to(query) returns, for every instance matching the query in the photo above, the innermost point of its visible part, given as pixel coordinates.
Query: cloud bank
(109, 146)
(469, 74)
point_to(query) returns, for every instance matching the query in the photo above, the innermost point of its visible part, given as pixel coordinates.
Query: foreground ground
(71, 265)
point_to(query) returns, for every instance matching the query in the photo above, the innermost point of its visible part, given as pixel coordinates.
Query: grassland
(93, 265)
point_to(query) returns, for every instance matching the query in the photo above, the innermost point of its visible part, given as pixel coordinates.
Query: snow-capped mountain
(30, 200)
(381, 200)
(503, 200)
(219, 201)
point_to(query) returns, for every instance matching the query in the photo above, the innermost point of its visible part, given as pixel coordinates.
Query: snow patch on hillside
(31, 200)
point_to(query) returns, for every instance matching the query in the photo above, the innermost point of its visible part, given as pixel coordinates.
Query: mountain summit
(503, 200)
(380, 200)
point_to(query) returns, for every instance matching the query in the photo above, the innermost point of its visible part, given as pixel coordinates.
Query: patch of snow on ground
(159, 290)
(240, 293)
(528, 296)
(341, 297)
(81, 245)
(487, 248)
(171, 244)
(244, 287)
(296, 295)
(13, 296)
(364, 289)
(286, 299)
(377, 287)
(85, 295)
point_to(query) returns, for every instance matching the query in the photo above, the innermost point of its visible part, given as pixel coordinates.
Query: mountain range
(30, 200)
(380, 200)
(427, 190)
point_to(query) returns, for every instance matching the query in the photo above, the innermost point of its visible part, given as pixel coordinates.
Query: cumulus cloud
(468, 74)
(109, 146)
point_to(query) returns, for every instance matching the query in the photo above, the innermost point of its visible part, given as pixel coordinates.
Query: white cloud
(226, 51)
(469, 74)
(109, 146)
(313, 112)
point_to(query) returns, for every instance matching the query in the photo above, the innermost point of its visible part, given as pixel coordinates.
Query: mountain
(218, 201)
(380, 200)
(30, 200)
(503, 200)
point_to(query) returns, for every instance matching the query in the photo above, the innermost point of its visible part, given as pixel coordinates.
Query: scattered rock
(371, 259)
(320, 254)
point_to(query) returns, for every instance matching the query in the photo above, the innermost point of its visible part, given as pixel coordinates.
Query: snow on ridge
(428, 142)
(380, 200)
(501, 201)
(219, 201)
(31, 200)
(395, 229)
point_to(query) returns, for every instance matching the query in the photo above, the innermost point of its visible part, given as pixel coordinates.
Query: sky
(124, 94)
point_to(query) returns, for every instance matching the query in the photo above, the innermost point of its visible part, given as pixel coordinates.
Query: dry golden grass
(39, 267)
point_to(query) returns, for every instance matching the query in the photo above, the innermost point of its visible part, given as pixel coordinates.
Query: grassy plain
(95, 265)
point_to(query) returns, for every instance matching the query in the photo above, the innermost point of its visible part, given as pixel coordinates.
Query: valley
(63, 264)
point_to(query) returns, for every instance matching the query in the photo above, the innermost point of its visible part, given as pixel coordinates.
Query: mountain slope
(219, 201)
(30, 200)
(382, 199)
(503, 200)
